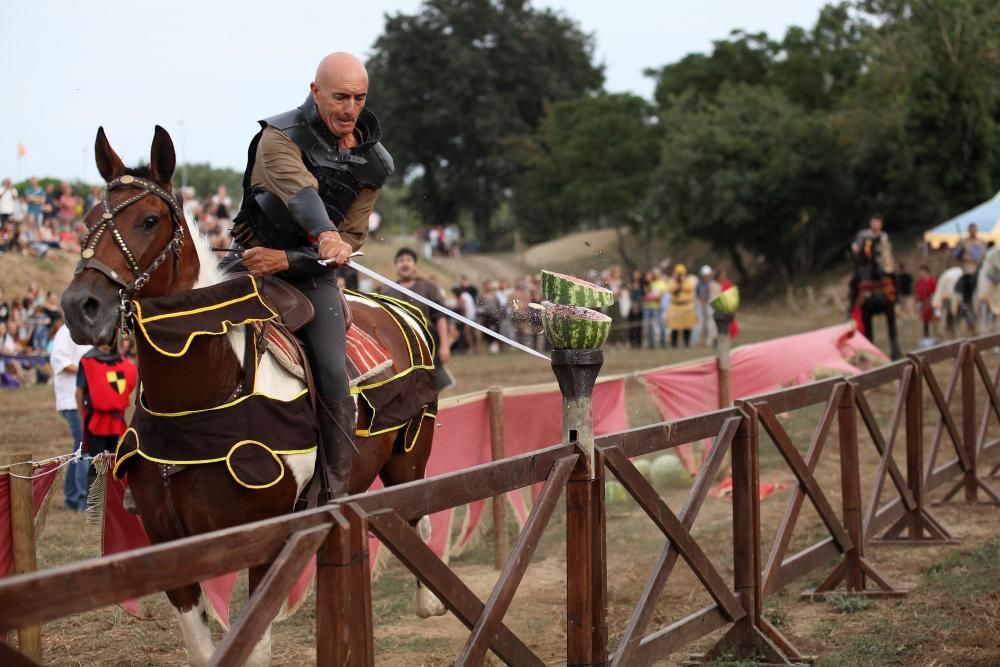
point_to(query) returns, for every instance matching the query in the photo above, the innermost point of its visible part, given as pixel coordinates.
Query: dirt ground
(950, 618)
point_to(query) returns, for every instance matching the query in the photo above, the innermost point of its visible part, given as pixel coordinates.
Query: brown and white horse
(147, 249)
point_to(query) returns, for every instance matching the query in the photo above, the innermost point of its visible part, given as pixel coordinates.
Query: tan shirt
(279, 169)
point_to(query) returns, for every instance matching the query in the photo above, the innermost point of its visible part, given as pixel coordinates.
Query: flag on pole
(21, 150)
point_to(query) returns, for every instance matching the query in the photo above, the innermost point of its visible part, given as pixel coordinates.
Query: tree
(460, 85)
(592, 162)
(755, 175)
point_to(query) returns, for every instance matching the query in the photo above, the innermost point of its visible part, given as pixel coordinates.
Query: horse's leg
(866, 319)
(261, 654)
(187, 601)
(192, 616)
(406, 466)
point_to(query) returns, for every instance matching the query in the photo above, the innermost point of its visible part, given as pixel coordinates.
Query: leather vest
(341, 174)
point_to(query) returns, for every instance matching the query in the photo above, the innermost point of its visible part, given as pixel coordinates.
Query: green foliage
(591, 164)
(847, 603)
(206, 179)
(459, 85)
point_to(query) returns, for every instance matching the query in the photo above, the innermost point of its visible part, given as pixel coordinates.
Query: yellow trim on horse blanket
(239, 433)
(392, 397)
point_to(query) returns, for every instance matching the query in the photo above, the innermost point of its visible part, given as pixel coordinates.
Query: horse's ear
(108, 163)
(162, 158)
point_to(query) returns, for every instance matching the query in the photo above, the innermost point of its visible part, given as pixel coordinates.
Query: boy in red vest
(104, 381)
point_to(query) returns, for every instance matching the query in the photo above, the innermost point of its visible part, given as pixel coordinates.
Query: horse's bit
(107, 222)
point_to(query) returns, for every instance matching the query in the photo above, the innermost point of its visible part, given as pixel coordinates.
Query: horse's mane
(142, 171)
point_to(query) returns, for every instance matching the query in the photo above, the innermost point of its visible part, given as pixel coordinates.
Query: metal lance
(438, 307)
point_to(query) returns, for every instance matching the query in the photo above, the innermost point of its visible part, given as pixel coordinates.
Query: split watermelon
(569, 291)
(575, 328)
(727, 302)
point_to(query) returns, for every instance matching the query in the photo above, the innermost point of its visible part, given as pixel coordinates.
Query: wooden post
(722, 324)
(915, 447)
(850, 486)
(22, 528)
(586, 551)
(969, 421)
(501, 544)
(333, 601)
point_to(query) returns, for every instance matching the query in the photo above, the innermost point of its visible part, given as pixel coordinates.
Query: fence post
(22, 528)
(969, 421)
(722, 323)
(850, 487)
(501, 546)
(586, 551)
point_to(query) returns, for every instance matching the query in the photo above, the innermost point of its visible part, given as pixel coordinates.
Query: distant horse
(874, 292)
(987, 296)
(955, 299)
(141, 247)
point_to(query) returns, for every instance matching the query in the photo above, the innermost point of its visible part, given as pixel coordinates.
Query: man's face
(972, 231)
(406, 267)
(339, 100)
(875, 224)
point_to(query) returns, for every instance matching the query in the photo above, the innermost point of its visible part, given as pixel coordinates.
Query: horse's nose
(90, 308)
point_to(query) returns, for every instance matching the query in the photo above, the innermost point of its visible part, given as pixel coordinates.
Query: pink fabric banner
(40, 485)
(692, 389)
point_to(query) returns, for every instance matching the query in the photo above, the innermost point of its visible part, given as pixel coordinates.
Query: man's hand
(334, 249)
(265, 261)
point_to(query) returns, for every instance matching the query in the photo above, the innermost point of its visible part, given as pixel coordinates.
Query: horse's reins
(107, 222)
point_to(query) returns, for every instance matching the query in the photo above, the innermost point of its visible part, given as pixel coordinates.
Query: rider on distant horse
(311, 181)
(873, 287)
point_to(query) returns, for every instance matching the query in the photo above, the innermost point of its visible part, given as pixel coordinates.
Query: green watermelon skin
(569, 291)
(575, 328)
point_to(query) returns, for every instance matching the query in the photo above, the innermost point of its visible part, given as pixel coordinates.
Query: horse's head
(135, 244)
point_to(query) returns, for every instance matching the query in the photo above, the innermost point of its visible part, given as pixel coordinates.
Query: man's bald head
(340, 65)
(340, 90)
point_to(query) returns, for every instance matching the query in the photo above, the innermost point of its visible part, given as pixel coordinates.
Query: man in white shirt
(64, 360)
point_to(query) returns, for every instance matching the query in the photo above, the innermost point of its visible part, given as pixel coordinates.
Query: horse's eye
(150, 222)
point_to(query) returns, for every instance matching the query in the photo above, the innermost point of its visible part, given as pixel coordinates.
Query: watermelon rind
(565, 290)
(727, 302)
(575, 328)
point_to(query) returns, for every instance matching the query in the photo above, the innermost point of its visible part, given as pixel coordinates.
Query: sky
(207, 71)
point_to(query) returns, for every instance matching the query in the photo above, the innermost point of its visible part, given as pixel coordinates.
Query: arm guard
(309, 213)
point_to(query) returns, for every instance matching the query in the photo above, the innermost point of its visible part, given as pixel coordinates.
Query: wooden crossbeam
(513, 571)
(772, 571)
(651, 503)
(237, 645)
(632, 639)
(802, 472)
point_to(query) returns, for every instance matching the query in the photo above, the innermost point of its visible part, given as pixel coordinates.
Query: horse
(140, 246)
(987, 296)
(873, 291)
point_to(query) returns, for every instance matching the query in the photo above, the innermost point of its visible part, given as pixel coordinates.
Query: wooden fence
(338, 534)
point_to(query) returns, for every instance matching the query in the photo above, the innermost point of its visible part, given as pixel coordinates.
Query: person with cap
(681, 316)
(705, 290)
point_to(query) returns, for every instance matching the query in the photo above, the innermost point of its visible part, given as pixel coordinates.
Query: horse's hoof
(428, 604)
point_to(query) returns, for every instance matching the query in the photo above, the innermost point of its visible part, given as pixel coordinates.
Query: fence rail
(338, 534)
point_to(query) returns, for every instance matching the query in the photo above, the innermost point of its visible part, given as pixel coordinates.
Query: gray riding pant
(325, 338)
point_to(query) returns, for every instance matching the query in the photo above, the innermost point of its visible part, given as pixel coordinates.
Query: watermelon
(614, 492)
(644, 466)
(727, 302)
(569, 291)
(575, 328)
(668, 471)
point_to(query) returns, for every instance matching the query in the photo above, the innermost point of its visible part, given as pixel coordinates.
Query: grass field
(951, 617)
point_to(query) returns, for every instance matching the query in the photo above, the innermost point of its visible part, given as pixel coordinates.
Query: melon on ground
(644, 466)
(565, 290)
(614, 492)
(575, 328)
(667, 471)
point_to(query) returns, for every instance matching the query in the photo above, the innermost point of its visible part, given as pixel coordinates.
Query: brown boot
(337, 422)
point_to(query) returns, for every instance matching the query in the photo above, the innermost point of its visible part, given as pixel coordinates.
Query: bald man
(312, 177)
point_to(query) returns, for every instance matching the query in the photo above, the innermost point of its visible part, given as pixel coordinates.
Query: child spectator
(104, 381)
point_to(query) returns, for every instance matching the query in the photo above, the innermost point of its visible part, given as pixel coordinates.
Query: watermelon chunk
(569, 291)
(727, 302)
(575, 328)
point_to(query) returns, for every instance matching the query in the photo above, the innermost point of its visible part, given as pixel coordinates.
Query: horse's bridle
(107, 222)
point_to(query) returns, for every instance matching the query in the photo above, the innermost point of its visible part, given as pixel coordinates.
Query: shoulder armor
(378, 167)
(285, 120)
